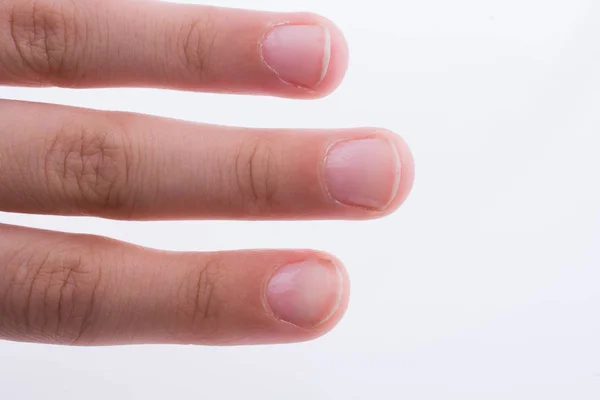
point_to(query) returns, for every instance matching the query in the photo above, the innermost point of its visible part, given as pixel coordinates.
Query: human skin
(87, 290)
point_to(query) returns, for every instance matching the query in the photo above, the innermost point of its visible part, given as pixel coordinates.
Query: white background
(484, 286)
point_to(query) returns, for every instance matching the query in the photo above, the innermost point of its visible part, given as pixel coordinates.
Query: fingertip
(338, 313)
(307, 53)
(369, 173)
(405, 175)
(308, 298)
(338, 60)
(407, 172)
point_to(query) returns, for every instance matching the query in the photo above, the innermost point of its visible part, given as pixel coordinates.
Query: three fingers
(70, 289)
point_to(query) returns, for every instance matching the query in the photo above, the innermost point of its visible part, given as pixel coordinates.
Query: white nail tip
(326, 54)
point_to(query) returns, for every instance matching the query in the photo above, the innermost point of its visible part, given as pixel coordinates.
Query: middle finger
(71, 161)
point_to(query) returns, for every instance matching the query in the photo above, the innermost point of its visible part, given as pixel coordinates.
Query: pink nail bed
(306, 293)
(363, 172)
(298, 54)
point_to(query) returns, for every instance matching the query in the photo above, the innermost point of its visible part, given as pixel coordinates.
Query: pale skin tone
(87, 290)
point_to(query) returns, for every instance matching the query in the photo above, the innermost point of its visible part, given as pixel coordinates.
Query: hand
(86, 290)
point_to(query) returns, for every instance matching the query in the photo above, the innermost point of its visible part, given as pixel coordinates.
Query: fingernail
(298, 54)
(363, 173)
(305, 294)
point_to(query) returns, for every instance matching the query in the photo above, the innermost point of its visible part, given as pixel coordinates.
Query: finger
(69, 161)
(83, 290)
(156, 44)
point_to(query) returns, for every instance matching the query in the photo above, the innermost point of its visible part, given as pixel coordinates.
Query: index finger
(155, 44)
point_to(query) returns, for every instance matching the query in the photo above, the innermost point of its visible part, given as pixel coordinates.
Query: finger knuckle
(53, 294)
(46, 35)
(256, 177)
(93, 167)
(197, 39)
(198, 304)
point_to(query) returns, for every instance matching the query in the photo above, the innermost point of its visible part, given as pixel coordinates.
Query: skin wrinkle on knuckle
(196, 39)
(198, 303)
(92, 168)
(53, 293)
(48, 38)
(256, 177)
